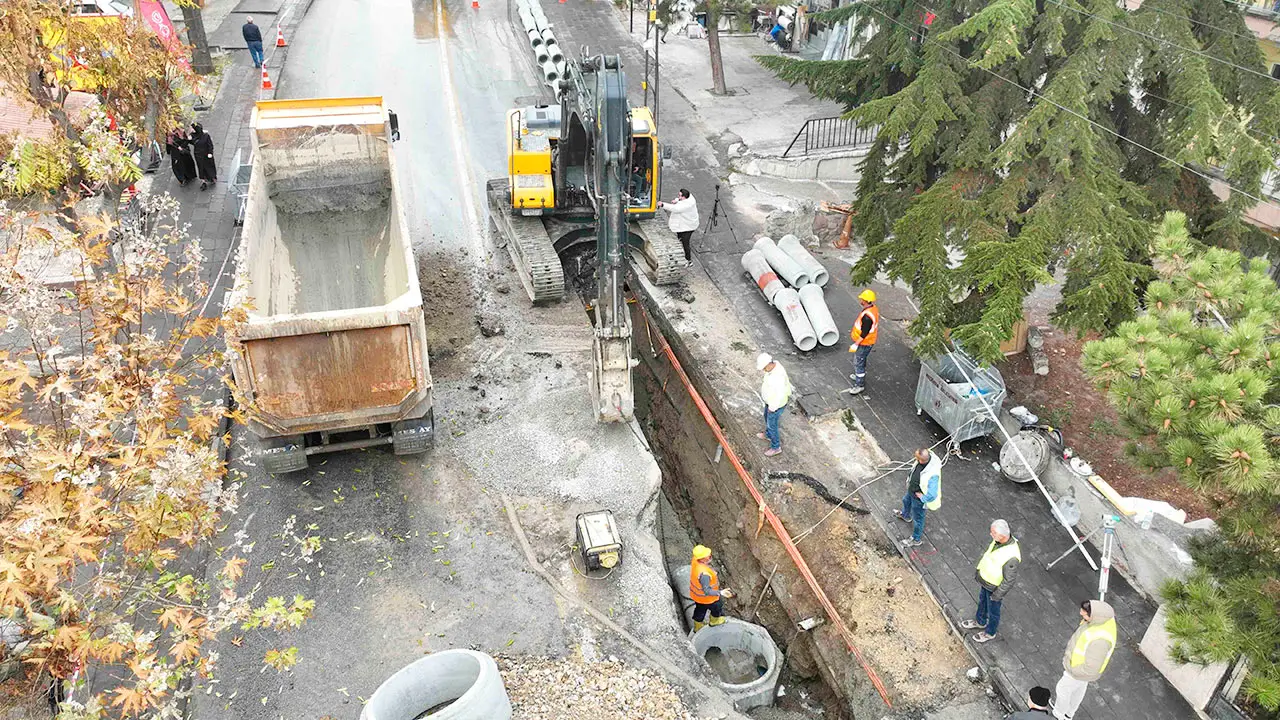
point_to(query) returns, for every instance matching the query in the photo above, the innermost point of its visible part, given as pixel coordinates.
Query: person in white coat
(775, 390)
(682, 219)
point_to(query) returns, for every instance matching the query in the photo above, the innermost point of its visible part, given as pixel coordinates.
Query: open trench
(704, 502)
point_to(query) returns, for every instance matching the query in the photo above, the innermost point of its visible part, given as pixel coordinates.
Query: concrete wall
(1197, 683)
(841, 165)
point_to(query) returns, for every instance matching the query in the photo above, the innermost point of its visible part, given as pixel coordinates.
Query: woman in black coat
(202, 144)
(179, 149)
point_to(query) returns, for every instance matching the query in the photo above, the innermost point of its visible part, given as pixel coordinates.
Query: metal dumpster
(958, 406)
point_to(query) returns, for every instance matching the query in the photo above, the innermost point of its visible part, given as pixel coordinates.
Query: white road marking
(462, 155)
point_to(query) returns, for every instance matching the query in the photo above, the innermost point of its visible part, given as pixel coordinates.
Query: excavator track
(661, 250)
(530, 246)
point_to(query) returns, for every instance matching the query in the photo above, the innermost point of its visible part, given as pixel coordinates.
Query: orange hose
(774, 521)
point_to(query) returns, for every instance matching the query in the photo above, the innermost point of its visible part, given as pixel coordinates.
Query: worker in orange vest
(863, 334)
(705, 591)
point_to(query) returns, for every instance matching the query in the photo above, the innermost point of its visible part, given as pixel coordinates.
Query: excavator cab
(646, 164)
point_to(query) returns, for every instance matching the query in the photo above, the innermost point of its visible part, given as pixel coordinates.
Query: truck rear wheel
(283, 454)
(410, 437)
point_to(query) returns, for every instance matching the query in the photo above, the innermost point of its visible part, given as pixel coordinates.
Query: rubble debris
(554, 688)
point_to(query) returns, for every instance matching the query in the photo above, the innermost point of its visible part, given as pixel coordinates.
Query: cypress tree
(1000, 149)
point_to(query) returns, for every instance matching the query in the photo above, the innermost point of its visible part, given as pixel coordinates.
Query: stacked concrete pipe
(782, 263)
(818, 275)
(788, 303)
(815, 307)
(546, 51)
(766, 279)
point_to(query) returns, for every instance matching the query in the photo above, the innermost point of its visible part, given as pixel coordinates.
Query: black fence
(829, 132)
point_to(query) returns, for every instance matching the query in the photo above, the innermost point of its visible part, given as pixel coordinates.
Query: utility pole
(631, 16)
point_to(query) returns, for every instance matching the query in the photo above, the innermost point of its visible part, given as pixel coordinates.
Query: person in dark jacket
(252, 38)
(179, 149)
(202, 148)
(1037, 705)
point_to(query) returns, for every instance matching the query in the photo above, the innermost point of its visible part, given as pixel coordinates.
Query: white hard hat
(763, 361)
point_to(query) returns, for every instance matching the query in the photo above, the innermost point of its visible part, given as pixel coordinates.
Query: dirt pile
(573, 689)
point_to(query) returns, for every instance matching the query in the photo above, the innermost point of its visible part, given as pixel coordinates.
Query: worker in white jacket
(775, 390)
(682, 220)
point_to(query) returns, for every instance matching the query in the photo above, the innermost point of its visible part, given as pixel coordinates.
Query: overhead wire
(1200, 23)
(1069, 111)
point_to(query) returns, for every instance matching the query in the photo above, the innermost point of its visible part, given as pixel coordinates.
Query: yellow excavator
(587, 169)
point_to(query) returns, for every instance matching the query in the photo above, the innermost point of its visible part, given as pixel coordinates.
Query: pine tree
(1196, 379)
(999, 145)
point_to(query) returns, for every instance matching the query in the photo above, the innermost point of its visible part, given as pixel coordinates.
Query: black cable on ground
(818, 488)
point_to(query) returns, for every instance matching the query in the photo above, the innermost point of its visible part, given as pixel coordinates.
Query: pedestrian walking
(1037, 705)
(775, 391)
(202, 148)
(252, 38)
(995, 572)
(924, 491)
(683, 220)
(863, 334)
(705, 590)
(178, 148)
(1088, 652)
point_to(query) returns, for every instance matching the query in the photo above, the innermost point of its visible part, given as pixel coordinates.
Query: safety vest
(1105, 631)
(991, 566)
(873, 312)
(695, 587)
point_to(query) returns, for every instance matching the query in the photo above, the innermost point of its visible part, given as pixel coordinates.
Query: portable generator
(599, 540)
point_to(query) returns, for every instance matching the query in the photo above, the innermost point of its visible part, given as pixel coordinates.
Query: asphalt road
(407, 546)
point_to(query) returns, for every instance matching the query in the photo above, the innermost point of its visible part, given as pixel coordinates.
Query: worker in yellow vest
(1088, 652)
(996, 571)
(863, 334)
(705, 590)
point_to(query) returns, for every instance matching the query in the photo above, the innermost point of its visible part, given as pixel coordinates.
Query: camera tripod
(717, 213)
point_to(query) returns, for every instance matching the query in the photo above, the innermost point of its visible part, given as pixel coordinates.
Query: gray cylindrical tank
(745, 659)
(782, 263)
(468, 680)
(818, 275)
(815, 306)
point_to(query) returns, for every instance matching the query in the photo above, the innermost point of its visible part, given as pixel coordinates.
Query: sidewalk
(1041, 612)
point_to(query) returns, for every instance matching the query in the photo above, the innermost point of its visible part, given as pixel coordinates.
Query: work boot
(716, 620)
(698, 625)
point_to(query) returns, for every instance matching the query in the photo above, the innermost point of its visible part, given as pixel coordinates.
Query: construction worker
(924, 491)
(863, 334)
(1037, 705)
(1088, 652)
(996, 570)
(775, 391)
(705, 591)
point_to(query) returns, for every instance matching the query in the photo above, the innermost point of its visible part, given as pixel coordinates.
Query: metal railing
(828, 133)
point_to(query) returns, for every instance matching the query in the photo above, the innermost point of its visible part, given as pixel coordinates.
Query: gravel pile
(572, 689)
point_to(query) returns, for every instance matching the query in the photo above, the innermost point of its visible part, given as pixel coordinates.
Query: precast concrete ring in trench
(745, 659)
(449, 685)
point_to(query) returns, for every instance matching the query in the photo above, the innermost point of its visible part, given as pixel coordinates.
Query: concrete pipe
(541, 55)
(462, 684)
(527, 21)
(535, 37)
(680, 583)
(782, 263)
(766, 279)
(549, 37)
(788, 303)
(818, 275)
(744, 658)
(549, 71)
(815, 306)
(557, 56)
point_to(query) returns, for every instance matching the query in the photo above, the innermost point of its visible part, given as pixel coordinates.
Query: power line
(1149, 36)
(1257, 134)
(1193, 21)
(1068, 110)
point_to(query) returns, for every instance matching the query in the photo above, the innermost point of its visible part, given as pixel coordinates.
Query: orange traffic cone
(475, 4)
(266, 79)
(280, 37)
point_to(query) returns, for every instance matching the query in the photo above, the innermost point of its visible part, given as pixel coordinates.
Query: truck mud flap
(410, 437)
(283, 454)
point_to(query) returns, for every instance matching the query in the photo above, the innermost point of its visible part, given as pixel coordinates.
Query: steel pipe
(782, 263)
(818, 275)
(788, 303)
(766, 279)
(815, 306)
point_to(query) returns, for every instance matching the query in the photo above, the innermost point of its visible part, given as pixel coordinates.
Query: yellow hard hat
(701, 552)
(869, 295)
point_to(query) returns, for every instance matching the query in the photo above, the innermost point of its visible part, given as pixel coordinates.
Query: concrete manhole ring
(457, 684)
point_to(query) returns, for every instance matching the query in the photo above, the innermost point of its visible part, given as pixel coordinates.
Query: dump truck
(332, 353)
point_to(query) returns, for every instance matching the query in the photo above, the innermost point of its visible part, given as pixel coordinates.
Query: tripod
(1108, 530)
(713, 221)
